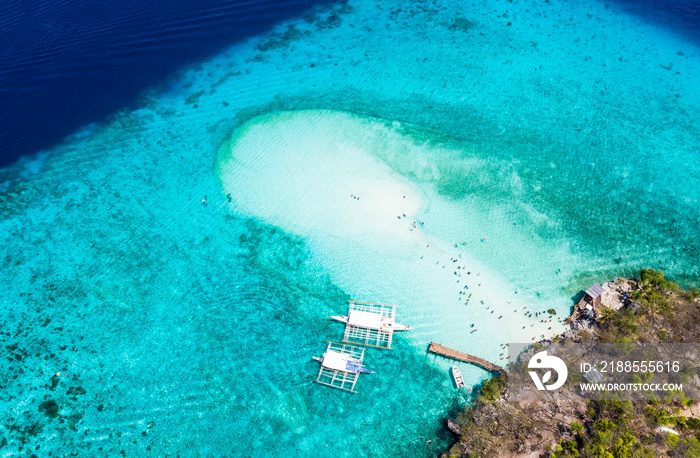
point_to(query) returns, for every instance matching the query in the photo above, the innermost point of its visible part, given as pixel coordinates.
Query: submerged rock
(454, 427)
(462, 24)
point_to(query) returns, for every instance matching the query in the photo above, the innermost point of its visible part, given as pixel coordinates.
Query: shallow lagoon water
(568, 139)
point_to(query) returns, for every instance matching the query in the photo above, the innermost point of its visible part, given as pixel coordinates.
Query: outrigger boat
(341, 366)
(370, 323)
(457, 375)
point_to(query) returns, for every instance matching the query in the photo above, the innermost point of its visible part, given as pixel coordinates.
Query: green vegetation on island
(659, 311)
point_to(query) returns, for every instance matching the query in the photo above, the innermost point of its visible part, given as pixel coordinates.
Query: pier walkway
(464, 357)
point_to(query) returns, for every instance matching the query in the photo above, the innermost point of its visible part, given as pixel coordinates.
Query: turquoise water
(567, 139)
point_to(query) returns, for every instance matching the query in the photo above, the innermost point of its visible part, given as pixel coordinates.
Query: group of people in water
(458, 269)
(229, 199)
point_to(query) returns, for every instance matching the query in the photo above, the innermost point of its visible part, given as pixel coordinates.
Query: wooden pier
(464, 357)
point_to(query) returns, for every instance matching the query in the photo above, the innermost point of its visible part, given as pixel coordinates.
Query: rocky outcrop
(454, 427)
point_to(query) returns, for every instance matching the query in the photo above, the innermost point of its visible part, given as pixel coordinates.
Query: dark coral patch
(49, 408)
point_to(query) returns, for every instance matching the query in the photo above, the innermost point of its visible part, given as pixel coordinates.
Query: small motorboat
(457, 376)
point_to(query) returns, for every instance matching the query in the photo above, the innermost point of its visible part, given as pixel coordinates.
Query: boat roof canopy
(365, 319)
(336, 360)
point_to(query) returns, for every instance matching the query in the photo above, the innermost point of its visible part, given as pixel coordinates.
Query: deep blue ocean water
(67, 64)
(680, 16)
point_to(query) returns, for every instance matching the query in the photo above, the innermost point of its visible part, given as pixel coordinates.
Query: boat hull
(393, 327)
(457, 377)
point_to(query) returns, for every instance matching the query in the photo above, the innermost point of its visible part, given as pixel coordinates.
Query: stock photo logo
(542, 360)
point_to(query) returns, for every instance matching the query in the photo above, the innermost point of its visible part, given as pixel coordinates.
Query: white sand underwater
(313, 174)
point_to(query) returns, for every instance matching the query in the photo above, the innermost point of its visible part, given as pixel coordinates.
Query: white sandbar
(317, 174)
(303, 172)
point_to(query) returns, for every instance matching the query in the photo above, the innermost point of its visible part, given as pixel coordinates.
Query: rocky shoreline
(497, 426)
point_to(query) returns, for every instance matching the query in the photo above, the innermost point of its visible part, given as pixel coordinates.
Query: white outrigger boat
(370, 323)
(457, 375)
(341, 366)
